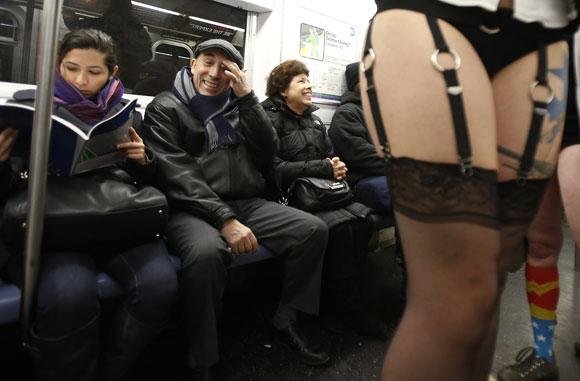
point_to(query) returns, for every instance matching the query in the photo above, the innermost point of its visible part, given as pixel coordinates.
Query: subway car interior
(154, 41)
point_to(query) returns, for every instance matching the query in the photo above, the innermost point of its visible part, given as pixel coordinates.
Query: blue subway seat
(107, 287)
(9, 302)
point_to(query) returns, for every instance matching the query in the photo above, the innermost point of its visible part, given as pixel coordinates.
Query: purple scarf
(211, 110)
(87, 110)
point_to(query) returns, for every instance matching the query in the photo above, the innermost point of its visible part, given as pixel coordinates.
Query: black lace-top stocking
(435, 192)
(519, 204)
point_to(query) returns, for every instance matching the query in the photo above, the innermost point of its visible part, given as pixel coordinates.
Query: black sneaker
(528, 367)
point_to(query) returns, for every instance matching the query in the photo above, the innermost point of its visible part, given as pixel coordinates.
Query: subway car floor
(249, 353)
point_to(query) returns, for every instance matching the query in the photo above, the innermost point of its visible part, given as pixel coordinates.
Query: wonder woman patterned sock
(543, 292)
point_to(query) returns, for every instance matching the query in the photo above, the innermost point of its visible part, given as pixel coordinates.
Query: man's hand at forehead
(237, 78)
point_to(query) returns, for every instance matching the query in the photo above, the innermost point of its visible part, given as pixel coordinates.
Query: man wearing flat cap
(212, 138)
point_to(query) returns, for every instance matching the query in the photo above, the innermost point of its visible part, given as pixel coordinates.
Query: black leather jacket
(304, 151)
(200, 183)
(351, 139)
(304, 143)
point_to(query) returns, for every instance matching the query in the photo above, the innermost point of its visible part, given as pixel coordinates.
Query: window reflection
(6, 55)
(120, 22)
(7, 27)
(8, 40)
(168, 58)
(155, 38)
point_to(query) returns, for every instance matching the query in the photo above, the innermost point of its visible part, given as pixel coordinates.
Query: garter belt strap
(454, 91)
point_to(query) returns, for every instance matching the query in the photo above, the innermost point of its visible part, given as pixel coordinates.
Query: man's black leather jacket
(199, 182)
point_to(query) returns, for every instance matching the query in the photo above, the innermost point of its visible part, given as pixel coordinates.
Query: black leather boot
(71, 358)
(125, 341)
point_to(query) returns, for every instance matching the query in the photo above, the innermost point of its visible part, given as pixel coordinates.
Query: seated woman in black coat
(306, 151)
(67, 322)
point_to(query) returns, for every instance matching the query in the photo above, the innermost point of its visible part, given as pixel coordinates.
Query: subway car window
(168, 57)
(8, 41)
(7, 27)
(154, 38)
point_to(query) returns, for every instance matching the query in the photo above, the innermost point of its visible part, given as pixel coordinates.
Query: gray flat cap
(222, 45)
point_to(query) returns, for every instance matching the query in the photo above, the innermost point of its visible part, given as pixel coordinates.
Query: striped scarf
(211, 110)
(87, 110)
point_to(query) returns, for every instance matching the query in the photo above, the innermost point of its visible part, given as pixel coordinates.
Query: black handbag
(313, 194)
(102, 209)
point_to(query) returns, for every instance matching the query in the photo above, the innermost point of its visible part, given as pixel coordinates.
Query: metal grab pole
(38, 161)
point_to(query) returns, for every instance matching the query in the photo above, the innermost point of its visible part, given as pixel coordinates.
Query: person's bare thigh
(413, 96)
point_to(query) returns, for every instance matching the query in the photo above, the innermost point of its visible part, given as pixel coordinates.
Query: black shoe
(366, 323)
(528, 367)
(577, 348)
(302, 346)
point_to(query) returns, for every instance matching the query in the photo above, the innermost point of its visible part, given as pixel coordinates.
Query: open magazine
(75, 147)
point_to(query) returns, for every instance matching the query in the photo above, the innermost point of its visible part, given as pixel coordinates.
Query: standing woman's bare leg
(514, 111)
(544, 243)
(451, 257)
(570, 188)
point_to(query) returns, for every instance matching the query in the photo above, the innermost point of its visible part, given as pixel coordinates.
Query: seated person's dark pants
(67, 318)
(205, 260)
(346, 250)
(4, 251)
(374, 192)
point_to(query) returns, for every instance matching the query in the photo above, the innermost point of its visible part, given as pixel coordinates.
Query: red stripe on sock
(541, 275)
(542, 296)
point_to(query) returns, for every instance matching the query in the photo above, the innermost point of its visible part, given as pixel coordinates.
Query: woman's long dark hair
(89, 39)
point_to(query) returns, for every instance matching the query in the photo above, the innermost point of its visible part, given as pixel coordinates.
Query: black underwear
(497, 37)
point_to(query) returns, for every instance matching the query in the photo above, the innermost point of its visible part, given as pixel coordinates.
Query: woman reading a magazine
(66, 329)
